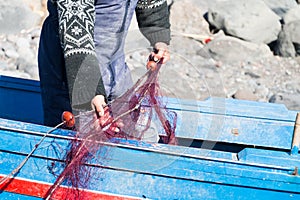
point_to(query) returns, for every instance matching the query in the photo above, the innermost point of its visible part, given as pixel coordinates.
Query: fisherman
(81, 51)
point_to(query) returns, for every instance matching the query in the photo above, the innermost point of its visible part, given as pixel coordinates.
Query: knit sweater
(76, 31)
(153, 20)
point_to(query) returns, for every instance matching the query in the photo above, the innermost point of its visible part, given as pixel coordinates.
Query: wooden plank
(20, 99)
(235, 129)
(167, 180)
(234, 107)
(156, 170)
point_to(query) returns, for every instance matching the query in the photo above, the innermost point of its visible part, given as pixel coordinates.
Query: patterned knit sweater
(76, 31)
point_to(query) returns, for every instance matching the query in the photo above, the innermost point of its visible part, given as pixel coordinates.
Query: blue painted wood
(257, 156)
(156, 171)
(160, 171)
(234, 107)
(164, 187)
(13, 196)
(216, 119)
(222, 128)
(169, 175)
(20, 99)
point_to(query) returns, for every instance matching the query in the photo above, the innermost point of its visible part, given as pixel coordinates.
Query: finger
(105, 119)
(166, 57)
(100, 110)
(114, 129)
(159, 55)
(120, 123)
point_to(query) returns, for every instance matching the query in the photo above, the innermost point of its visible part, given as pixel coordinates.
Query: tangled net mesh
(142, 113)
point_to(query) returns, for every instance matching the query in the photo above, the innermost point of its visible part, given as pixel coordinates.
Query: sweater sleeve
(76, 32)
(153, 20)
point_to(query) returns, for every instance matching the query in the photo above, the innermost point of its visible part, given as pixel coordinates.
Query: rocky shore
(221, 48)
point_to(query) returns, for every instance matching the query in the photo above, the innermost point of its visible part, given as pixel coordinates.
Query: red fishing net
(138, 114)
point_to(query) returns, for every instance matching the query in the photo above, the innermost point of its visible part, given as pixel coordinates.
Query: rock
(15, 74)
(33, 71)
(15, 16)
(22, 43)
(291, 101)
(284, 45)
(186, 16)
(3, 65)
(292, 15)
(288, 43)
(11, 53)
(281, 7)
(229, 49)
(245, 94)
(258, 23)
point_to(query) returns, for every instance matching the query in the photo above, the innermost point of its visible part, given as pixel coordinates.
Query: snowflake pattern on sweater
(148, 4)
(76, 26)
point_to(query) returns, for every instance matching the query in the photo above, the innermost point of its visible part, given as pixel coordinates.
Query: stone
(251, 20)
(15, 16)
(291, 101)
(186, 16)
(245, 94)
(292, 15)
(11, 53)
(229, 50)
(288, 43)
(281, 7)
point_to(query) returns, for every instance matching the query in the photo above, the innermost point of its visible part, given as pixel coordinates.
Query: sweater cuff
(155, 35)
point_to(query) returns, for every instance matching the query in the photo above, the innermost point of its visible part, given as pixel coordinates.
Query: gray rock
(32, 70)
(23, 43)
(186, 16)
(2, 53)
(281, 7)
(292, 15)
(229, 49)
(11, 53)
(288, 43)
(5, 45)
(291, 101)
(3, 65)
(258, 22)
(245, 94)
(15, 16)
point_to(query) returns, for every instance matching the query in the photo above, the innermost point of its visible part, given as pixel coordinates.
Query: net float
(151, 65)
(68, 118)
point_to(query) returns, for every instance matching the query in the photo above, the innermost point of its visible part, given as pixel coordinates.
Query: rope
(18, 168)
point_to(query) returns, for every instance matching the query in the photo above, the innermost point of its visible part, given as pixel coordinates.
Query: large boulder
(251, 20)
(292, 15)
(15, 15)
(186, 16)
(288, 43)
(231, 50)
(281, 7)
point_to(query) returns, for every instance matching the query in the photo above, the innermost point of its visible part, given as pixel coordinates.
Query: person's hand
(161, 52)
(98, 104)
(105, 119)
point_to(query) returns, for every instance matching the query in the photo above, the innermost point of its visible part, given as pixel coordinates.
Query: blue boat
(228, 149)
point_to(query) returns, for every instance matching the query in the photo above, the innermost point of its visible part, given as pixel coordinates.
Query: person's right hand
(105, 119)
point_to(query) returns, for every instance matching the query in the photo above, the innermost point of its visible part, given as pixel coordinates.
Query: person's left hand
(161, 51)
